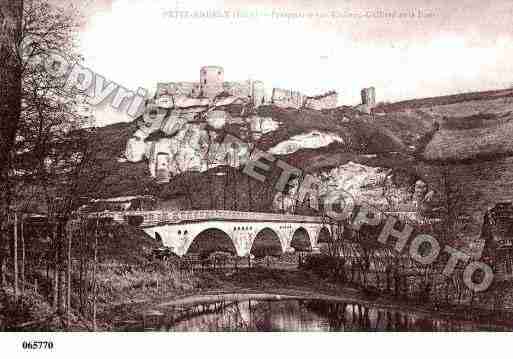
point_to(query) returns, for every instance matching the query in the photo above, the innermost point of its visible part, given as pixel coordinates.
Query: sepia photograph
(172, 166)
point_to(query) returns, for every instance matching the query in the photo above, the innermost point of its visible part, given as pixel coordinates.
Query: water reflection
(299, 315)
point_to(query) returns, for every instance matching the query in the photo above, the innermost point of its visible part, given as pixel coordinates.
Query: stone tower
(211, 81)
(369, 97)
(258, 93)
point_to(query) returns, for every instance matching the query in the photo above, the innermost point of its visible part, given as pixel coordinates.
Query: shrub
(135, 221)
(323, 265)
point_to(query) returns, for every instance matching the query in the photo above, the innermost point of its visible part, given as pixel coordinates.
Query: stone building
(324, 101)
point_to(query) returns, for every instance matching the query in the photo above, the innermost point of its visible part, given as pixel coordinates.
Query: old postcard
(255, 166)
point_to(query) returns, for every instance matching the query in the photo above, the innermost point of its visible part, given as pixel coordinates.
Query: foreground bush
(325, 266)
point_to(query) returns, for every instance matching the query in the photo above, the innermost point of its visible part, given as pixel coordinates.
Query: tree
(10, 107)
(29, 94)
(47, 153)
(53, 161)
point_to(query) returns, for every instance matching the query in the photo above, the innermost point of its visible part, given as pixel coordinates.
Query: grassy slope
(440, 101)
(360, 134)
(123, 178)
(471, 126)
(475, 137)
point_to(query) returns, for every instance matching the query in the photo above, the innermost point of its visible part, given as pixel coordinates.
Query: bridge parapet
(153, 218)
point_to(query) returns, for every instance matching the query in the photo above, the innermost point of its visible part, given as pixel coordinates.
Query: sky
(405, 49)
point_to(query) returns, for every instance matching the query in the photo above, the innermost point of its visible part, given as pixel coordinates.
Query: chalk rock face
(364, 184)
(135, 149)
(176, 121)
(185, 150)
(228, 100)
(217, 119)
(185, 102)
(152, 118)
(314, 139)
(284, 203)
(172, 143)
(261, 125)
(165, 101)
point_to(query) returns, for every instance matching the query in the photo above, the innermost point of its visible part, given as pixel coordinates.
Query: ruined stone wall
(246, 89)
(287, 98)
(238, 88)
(322, 102)
(210, 85)
(259, 97)
(183, 88)
(369, 96)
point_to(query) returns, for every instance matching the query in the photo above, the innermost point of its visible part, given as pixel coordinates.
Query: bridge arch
(324, 235)
(211, 240)
(301, 240)
(266, 243)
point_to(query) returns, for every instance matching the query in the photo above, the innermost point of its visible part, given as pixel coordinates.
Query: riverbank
(127, 295)
(276, 284)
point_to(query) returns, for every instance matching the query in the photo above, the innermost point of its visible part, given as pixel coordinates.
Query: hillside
(441, 101)
(461, 127)
(359, 140)
(474, 137)
(432, 130)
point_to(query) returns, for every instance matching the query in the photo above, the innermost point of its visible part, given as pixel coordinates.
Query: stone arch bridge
(239, 232)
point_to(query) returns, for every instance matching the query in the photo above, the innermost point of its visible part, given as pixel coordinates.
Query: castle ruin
(295, 99)
(326, 101)
(369, 96)
(210, 86)
(287, 98)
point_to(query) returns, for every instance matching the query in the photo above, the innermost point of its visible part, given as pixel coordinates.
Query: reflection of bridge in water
(231, 231)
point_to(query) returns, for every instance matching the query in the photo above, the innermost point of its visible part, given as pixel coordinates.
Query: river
(297, 315)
